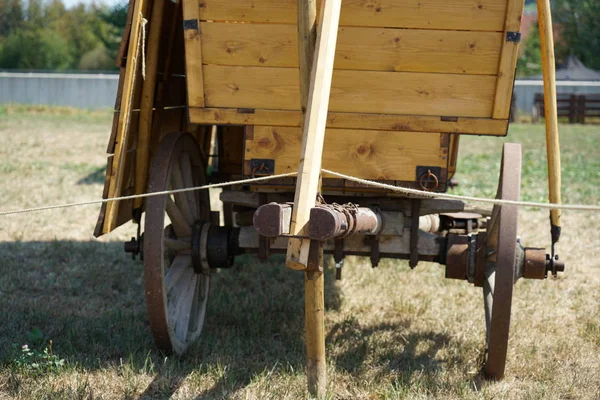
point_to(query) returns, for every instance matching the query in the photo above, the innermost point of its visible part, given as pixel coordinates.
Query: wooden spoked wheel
(176, 293)
(501, 263)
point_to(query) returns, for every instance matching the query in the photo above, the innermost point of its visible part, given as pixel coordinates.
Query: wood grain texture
(375, 155)
(313, 133)
(132, 69)
(147, 100)
(375, 49)
(508, 61)
(306, 36)
(429, 244)
(193, 55)
(354, 91)
(480, 15)
(385, 122)
(550, 108)
(314, 317)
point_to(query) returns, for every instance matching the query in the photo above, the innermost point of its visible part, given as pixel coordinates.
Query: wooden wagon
(222, 90)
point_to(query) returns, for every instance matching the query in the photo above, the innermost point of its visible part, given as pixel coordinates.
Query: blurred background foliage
(38, 34)
(576, 26)
(45, 34)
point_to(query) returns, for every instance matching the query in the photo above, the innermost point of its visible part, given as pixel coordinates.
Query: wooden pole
(147, 102)
(313, 134)
(316, 70)
(314, 313)
(552, 141)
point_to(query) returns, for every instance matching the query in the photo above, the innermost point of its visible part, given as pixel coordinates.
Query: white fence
(72, 90)
(99, 90)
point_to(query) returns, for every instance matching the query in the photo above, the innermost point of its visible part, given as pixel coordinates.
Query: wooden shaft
(552, 141)
(132, 68)
(307, 36)
(314, 309)
(313, 135)
(147, 102)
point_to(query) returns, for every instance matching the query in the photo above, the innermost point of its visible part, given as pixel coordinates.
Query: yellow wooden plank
(147, 100)
(193, 53)
(375, 49)
(354, 91)
(313, 133)
(386, 122)
(131, 70)
(508, 60)
(379, 155)
(480, 15)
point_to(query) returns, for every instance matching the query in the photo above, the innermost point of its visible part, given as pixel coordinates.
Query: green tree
(530, 60)
(35, 48)
(578, 22)
(11, 16)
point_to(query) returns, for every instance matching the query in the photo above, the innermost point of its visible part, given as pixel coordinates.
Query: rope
(432, 195)
(136, 196)
(144, 21)
(415, 192)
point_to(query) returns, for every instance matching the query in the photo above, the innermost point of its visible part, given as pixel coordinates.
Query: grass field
(391, 332)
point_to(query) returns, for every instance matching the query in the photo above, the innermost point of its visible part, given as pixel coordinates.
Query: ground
(391, 332)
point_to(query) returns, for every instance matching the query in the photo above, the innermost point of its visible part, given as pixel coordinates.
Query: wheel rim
(176, 296)
(500, 264)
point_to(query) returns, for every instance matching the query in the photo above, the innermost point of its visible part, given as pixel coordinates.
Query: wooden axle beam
(329, 222)
(393, 246)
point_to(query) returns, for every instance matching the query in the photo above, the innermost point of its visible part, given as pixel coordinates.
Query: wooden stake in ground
(550, 113)
(315, 86)
(314, 314)
(313, 134)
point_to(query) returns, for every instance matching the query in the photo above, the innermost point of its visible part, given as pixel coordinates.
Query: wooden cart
(221, 90)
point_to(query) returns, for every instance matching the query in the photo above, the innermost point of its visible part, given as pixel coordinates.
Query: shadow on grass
(97, 176)
(87, 297)
(413, 356)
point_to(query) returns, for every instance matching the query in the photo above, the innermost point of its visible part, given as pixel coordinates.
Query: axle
(454, 240)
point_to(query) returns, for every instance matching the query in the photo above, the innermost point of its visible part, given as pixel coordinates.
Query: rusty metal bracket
(480, 259)
(261, 167)
(338, 256)
(314, 259)
(428, 178)
(513, 37)
(190, 24)
(414, 232)
(264, 248)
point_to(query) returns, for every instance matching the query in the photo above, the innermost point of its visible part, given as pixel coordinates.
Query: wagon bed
(407, 74)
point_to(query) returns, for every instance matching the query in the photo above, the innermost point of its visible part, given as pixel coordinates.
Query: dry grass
(391, 332)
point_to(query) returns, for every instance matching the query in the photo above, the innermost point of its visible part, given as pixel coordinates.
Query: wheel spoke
(180, 224)
(196, 303)
(181, 198)
(184, 308)
(488, 297)
(188, 181)
(180, 264)
(178, 245)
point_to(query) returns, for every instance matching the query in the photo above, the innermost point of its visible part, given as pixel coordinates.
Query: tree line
(38, 34)
(44, 34)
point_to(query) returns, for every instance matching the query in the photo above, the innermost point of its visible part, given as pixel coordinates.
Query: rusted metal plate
(457, 257)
